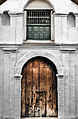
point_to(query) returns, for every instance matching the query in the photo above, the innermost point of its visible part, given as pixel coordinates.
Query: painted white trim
(34, 53)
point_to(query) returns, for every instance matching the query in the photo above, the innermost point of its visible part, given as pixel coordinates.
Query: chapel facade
(39, 59)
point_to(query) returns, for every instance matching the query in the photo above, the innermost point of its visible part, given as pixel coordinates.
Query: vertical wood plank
(40, 89)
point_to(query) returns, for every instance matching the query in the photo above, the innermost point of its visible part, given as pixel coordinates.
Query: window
(38, 24)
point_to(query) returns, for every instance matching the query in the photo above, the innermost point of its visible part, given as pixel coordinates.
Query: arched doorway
(39, 89)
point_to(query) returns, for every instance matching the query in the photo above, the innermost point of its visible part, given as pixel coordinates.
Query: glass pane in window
(38, 24)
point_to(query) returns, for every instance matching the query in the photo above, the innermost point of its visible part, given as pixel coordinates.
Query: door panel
(39, 90)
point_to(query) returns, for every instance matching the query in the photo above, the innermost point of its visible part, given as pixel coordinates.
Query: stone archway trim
(60, 79)
(20, 63)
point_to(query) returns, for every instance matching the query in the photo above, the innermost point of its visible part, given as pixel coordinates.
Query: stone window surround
(52, 27)
(60, 80)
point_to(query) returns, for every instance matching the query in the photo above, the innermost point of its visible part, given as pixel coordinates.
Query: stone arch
(60, 79)
(37, 71)
(46, 2)
(32, 54)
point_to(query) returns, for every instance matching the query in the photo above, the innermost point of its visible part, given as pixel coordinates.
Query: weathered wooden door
(39, 89)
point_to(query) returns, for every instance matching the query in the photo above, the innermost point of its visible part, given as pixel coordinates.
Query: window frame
(51, 31)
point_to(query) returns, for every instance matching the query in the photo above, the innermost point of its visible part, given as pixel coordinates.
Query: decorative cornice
(9, 49)
(68, 49)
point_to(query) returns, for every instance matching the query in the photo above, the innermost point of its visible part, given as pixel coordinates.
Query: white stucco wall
(61, 6)
(13, 49)
(10, 80)
(15, 32)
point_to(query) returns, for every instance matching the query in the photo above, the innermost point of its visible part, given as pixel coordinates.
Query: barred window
(38, 24)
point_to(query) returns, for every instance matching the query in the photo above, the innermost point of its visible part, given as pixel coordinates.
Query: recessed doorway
(39, 89)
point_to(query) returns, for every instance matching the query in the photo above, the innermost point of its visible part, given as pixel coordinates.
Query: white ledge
(38, 41)
(9, 49)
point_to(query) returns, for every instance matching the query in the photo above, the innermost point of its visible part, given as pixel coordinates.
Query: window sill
(38, 41)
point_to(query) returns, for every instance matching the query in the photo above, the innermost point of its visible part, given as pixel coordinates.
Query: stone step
(41, 118)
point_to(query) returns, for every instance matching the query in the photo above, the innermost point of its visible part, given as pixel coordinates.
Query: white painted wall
(62, 33)
(11, 54)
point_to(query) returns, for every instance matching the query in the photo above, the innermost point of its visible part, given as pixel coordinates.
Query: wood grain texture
(39, 89)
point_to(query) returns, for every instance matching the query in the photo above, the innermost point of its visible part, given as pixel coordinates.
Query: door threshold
(40, 118)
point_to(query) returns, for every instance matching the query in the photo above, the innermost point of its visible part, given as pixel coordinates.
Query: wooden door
(39, 89)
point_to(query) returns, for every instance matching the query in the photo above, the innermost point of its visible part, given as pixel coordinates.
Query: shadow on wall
(71, 20)
(5, 27)
(5, 21)
(72, 29)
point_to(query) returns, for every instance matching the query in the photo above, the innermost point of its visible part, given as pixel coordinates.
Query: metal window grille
(38, 17)
(38, 24)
